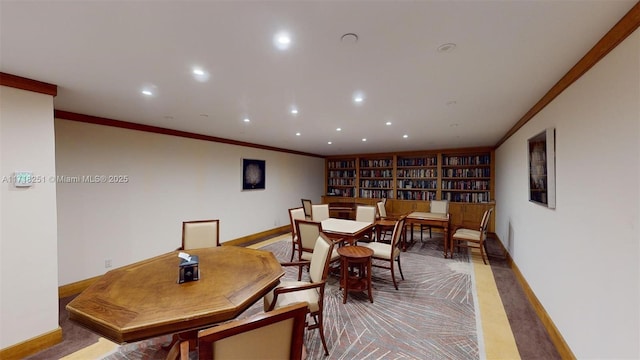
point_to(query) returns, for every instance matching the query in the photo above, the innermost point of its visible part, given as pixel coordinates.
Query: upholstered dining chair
(383, 229)
(471, 238)
(295, 214)
(307, 206)
(277, 334)
(308, 232)
(367, 214)
(200, 234)
(312, 291)
(385, 255)
(319, 212)
(438, 207)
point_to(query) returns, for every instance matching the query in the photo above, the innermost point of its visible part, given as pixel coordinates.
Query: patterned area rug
(431, 316)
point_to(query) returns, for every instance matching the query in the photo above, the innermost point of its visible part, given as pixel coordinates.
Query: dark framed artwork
(253, 174)
(542, 168)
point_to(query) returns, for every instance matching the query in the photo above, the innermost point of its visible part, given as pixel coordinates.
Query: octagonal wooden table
(145, 300)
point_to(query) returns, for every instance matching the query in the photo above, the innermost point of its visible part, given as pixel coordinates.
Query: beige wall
(28, 246)
(170, 179)
(582, 259)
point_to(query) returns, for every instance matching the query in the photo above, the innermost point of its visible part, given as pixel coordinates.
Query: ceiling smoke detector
(448, 47)
(349, 38)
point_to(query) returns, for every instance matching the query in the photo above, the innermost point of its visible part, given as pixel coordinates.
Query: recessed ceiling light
(405, 136)
(297, 134)
(338, 129)
(246, 120)
(200, 74)
(358, 98)
(451, 102)
(168, 117)
(388, 123)
(329, 142)
(350, 38)
(282, 40)
(147, 92)
(204, 115)
(364, 139)
(448, 47)
(294, 111)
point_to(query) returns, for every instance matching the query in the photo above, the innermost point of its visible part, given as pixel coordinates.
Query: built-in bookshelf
(417, 177)
(376, 177)
(458, 175)
(341, 177)
(466, 177)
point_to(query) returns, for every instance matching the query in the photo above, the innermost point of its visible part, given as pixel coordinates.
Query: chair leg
(393, 276)
(400, 268)
(482, 252)
(319, 322)
(293, 249)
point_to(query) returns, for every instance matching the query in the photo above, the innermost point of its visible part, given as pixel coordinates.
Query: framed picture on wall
(542, 168)
(253, 174)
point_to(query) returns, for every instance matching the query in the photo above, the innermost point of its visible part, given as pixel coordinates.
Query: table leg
(368, 267)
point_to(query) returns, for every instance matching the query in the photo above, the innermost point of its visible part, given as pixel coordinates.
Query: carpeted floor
(431, 316)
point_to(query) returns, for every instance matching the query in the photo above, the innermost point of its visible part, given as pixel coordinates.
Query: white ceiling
(508, 55)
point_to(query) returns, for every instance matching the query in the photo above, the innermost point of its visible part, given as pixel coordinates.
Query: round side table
(357, 258)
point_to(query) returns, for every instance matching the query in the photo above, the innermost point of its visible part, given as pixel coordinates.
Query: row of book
(414, 173)
(467, 160)
(346, 192)
(466, 185)
(428, 161)
(343, 173)
(416, 195)
(376, 194)
(338, 164)
(376, 183)
(477, 172)
(376, 173)
(466, 197)
(341, 182)
(376, 163)
(417, 184)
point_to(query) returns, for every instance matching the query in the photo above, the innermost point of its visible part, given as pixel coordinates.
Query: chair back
(319, 267)
(485, 222)
(319, 212)
(382, 210)
(398, 230)
(366, 213)
(295, 214)
(277, 334)
(308, 232)
(306, 205)
(440, 206)
(200, 234)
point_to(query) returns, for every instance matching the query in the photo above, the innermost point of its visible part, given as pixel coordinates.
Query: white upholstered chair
(295, 214)
(366, 213)
(200, 234)
(307, 206)
(385, 255)
(471, 238)
(312, 291)
(277, 334)
(319, 212)
(308, 233)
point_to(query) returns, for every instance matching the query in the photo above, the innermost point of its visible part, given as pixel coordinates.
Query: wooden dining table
(346, 230)
(430, 219)
(144, 300)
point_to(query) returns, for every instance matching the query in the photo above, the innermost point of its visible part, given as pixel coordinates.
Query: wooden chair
(319, 212)
(388, 254)
(307, 206)
(295, 214)
(383, 227)
(277, 334)
(308, 233)
(312, 291)
(438, 207)
(470, 238)
(200, 234)
(366, 213)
